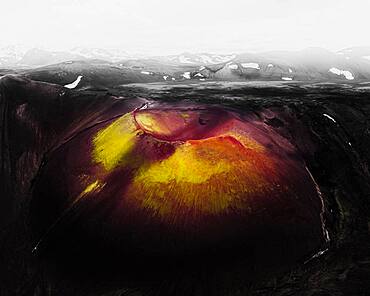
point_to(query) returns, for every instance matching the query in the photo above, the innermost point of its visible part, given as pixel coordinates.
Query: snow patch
(74, 83)
(233, 66)
(287, 78)
(318, 254)
(145, 72)
(202, 68)
(198, 75)
(270, 65)
(290, 70)
(347, 74)
(165, 77)
(328, 116)
(251, 65)
(186, 75)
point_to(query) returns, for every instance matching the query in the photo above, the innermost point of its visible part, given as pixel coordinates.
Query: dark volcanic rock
(327, 123)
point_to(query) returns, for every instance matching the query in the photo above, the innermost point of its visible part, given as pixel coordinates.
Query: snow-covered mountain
(13, 56)
(196, 59)
(304, 65)
(110, 55)
(308, 64)
(38, 57)
(311, 64)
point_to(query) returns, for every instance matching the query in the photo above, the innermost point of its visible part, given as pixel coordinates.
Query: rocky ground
(329, 123)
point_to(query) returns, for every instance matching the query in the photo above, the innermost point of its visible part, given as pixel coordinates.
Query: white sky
(170, 26)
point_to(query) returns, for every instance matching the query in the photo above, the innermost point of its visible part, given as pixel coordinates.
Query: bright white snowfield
(347, 74)
(233, 66)
(186, 75)
(328, 116)
(74, 83)
(251, 65)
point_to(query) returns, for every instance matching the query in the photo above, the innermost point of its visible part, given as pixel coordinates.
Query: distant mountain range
(17, 56)
(119, 67)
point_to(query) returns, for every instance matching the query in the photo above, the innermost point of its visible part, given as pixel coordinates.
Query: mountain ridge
(310, 64)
